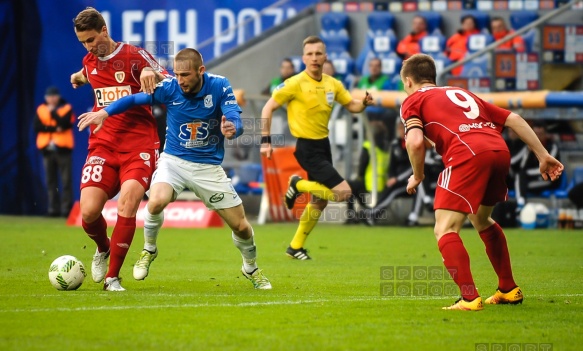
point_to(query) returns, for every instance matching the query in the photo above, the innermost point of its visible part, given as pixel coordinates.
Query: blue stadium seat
(482, 19)
(337, 44)
(519, 19)
(433, 44)
(247, 179)
(480, 66)
(380, 39)
(334, 23)
(391, 64)
(344, 66)
(441, 61)
(433, 20)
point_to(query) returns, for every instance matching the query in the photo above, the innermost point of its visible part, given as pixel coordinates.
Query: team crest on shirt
(120, 76)
(145, 156)
(208, 101)
(330, 97)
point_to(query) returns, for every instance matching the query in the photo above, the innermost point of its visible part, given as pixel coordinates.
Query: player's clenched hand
(148, 80)
(78, 79)
(266, 150)
(550, 168)
(228, 128)
(412, 184)
(89, 118)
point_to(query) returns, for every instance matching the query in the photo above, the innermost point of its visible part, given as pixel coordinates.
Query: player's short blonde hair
(312, 39)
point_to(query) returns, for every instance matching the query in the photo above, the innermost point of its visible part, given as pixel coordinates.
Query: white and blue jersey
(193, 130)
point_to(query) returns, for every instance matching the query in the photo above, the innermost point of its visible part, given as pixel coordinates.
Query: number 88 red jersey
(113, 77)
(459, 123)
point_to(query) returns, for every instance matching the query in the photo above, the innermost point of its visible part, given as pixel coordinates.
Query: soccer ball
(67, 273)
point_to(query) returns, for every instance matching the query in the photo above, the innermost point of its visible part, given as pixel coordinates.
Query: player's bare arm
(550, 167)
(78, 79)
(357, 106)
(88, 118)
(415, 143)
(266, 115)
(149, 78)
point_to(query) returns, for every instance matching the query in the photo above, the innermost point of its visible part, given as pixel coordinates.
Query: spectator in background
(52, 123)
(363, 184)
(499, 31)
(377, 81)
(410, 44)
(529, 181)
(328, 68)
(518, 150)
(286, 70)
(399, 172)
(456, 45)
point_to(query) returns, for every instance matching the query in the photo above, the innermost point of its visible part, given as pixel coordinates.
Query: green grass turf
(196, 299)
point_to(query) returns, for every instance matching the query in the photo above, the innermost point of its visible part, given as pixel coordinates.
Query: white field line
(248, 304)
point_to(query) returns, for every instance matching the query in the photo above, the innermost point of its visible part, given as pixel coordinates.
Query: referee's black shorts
(315, 156)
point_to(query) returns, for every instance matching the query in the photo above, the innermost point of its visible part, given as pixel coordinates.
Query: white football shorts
(208, 182)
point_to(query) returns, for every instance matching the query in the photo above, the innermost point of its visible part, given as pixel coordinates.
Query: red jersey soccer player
(123, 155)
(466, 132)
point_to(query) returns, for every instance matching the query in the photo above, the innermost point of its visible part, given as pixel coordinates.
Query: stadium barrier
(276, 173)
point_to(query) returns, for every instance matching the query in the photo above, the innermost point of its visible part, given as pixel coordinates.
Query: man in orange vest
(52, 123)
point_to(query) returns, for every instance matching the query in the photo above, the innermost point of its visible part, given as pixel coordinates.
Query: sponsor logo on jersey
(106, 96)
(95, 160)
(230, 102)
(329, 97)
(145, 156)
(208, 101)
(120, 76)
(94, 71)
(216, 198)
(479, 125)
(145, 179)
(147, 163)
(194, 134)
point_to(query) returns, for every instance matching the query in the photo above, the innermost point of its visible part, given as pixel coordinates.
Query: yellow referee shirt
(310, 103)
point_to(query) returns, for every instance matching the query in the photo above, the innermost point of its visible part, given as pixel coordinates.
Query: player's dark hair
(312, 39)
(420, 68)
(191, 55)
(89, 19)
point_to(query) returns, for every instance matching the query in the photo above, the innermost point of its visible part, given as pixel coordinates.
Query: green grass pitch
(196, 299)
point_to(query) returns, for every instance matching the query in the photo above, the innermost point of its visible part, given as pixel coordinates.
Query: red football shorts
(466, 184)
(108, 169)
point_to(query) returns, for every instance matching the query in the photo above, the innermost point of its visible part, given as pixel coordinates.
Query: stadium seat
(344, 66)
(519, 19)
(433, 20)
(479, 66)
(482, 19)
(441, 61)
(334, 24)
(433, 44)
(380, 38)
(337, 45)
(248, 179)
(391, 64)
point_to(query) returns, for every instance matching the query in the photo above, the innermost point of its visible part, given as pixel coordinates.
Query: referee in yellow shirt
(310, 96)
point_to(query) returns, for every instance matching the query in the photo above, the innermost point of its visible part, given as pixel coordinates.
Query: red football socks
(497, 250)
(457, 262)
(97, 231)
(121, 239)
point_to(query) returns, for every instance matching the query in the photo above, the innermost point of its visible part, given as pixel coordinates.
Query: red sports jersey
(111, 78)
(458, 122)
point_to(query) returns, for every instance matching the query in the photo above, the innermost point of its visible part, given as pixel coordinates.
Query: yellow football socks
(308, 221)
(316, 189)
